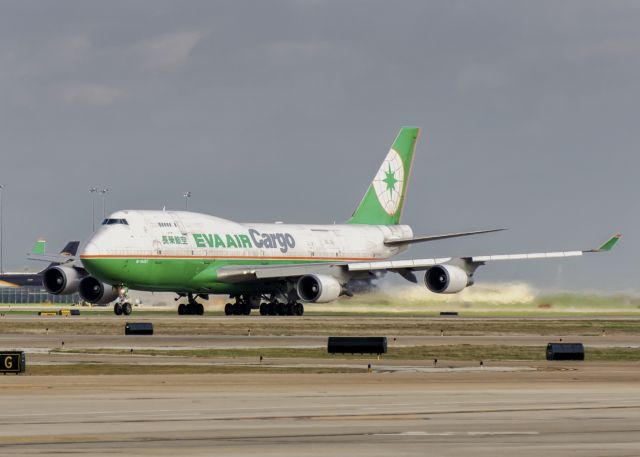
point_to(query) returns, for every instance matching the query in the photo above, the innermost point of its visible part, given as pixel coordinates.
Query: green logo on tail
(383, 201)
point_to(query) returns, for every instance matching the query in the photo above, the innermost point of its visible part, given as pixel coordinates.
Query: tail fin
(71, 248)
(39, 247)
(383, 202)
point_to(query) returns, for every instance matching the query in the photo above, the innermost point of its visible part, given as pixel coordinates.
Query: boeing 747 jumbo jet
(271, 267)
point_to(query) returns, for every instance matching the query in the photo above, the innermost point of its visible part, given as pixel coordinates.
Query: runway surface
(380, 414)
(403, 407)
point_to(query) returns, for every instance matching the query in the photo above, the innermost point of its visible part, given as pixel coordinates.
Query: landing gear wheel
(126, 308)
(182, 309)
(228, 309)
(199, 309)
(272, 309)
(289, 309)
(299, 307)
(280, 310)
(263, 309)
(117, 308)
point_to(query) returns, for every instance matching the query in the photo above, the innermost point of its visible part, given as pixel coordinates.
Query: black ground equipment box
(357, 345)
(565, 351)
(138, 328)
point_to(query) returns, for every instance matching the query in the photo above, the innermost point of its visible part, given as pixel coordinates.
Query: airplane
(276, 268)
(35, 279)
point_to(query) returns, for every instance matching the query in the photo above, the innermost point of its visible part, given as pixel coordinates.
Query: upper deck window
(115, 221)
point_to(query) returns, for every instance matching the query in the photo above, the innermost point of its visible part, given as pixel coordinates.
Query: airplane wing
(68, 253)
(244, 273)
(421, 239)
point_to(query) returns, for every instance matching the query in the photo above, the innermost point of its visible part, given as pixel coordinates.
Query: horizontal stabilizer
(420, 239)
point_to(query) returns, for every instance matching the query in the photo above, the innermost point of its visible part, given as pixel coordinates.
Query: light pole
(93, 191)
(1, 232)
(104, 201)
(187, 196)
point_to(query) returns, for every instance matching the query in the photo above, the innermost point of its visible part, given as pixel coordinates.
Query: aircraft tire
(299, 309)
(182, 309)
(272, 309)
(228, 309)
(117, 308)
(263, 309)
(280, 309)
(126, 308)
(199, 309)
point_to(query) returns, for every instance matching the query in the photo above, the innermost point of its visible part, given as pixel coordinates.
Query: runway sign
(138, 328)
(357, 345)
(12, 362)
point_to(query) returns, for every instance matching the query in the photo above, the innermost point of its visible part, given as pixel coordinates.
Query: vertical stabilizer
(382, 203)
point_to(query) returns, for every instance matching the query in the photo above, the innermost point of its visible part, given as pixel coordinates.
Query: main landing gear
(281, 309)
(271, 307)
(191, 308)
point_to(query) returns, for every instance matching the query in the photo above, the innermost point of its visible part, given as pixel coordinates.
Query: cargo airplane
(275, 268)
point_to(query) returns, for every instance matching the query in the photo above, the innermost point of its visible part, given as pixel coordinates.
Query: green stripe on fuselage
(174, 274)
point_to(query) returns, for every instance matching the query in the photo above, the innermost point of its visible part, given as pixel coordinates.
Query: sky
(284, 110)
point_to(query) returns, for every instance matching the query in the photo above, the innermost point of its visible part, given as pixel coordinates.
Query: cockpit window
(115, 221)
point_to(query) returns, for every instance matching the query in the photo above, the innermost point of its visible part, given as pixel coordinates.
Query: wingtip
(609, 244)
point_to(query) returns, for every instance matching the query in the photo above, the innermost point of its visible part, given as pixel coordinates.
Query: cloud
(90, 94)
(170, 50)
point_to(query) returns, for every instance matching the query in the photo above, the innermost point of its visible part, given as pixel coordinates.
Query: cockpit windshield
(115, 221)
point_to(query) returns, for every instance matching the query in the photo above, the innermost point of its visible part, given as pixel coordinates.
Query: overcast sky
(283, 110)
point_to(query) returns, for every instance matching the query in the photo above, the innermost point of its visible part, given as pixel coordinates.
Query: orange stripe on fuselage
(152, 256)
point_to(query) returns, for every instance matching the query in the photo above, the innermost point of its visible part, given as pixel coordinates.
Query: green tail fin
(383, 202)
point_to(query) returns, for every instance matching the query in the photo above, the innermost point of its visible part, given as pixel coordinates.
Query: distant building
(35, 294)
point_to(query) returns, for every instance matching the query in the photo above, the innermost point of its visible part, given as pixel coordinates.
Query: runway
(379, 414)
(308, 405)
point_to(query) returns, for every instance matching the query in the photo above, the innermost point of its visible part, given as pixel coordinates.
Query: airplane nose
(91, 248)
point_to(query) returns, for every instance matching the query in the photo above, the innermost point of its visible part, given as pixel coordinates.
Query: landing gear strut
(192, 307)
(122, 306)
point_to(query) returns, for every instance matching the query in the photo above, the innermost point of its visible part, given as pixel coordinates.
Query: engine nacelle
(94, 291)
(318, 288)
(446, 279)
(60, 280)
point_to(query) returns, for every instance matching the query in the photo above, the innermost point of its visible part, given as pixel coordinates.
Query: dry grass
(324, 326)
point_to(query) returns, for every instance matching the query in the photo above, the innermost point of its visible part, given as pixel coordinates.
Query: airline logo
(254, 238)
(389, 182)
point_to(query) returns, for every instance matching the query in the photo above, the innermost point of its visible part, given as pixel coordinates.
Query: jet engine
(94, 291)
(61, 280)
(446, 279)
(318, 288)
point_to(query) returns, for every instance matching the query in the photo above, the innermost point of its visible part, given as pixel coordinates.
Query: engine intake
(61, 280)
(94, 291)
(446, 279)
(318, 288)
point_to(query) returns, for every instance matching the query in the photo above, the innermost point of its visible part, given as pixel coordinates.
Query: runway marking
(477, 433)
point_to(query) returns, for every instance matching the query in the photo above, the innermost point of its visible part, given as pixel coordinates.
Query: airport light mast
(187, 196)
(93, 191)
(104, 201)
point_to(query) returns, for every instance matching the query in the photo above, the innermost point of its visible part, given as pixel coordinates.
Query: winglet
(609, 244)
(39, 247)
